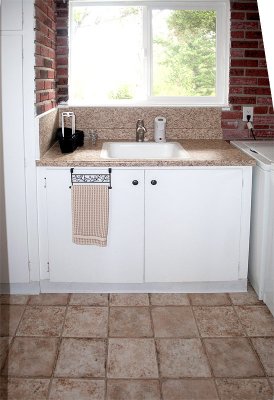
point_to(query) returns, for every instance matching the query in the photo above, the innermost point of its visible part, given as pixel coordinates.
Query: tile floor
(136, 347)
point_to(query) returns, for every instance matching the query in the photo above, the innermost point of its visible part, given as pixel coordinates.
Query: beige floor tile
(257, 320)
(10, 317)
(33, 357)
(42, 321)
(86, 322)
(133, 390)
(265, 349)
(131, 299)
(169, 299)
(189, 389)
(81, 358)
(209, 299)
(130, 322)
(248, 298)
(132, 358)
(89, 299)
(174, 322)
(182, 358)
(13, 299)
(49, 299)
(232, 358)
(272, 384)
(24, 389)
(218, 321)
(244, 389)
(4, 347)
(81, 389)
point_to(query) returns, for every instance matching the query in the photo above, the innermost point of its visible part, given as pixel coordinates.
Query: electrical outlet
(248, 111)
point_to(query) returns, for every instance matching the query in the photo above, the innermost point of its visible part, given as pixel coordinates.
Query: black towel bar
(91, 178)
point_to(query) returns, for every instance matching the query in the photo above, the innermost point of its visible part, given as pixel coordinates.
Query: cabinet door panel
(192, 225)
(122, 259)
(11, 15)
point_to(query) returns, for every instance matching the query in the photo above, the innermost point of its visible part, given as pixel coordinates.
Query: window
(149, 52)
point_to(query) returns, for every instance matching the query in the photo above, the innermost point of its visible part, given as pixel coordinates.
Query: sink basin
(144, 151)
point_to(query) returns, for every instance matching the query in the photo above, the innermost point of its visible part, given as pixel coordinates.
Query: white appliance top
(261, 150)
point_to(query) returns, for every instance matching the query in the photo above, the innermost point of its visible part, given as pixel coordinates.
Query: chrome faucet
(140, 130)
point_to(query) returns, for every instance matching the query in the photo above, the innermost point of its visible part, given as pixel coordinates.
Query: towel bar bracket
(90, 178)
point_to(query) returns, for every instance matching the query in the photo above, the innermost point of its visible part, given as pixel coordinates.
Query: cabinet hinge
(45, 183)
(47, 266)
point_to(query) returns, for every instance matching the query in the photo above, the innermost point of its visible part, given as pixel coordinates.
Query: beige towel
(90, 213)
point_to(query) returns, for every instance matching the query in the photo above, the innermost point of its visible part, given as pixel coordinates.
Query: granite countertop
(203, 152)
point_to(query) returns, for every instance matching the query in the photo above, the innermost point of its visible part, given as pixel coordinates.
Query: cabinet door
(121, 261)
(192, 225)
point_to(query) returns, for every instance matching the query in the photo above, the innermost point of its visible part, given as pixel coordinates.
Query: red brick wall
(45, 55)
(249, 84)
(62, 50)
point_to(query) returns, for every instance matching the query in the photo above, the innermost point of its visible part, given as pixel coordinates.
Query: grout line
(205, 352)
(253, 348)
(13, 336)
(58, 347)
(155, 345)
(107, 346)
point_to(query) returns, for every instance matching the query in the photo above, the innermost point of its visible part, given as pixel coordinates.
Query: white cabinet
(192, 227)
(122, 259)
(175, 225)
(11, 16)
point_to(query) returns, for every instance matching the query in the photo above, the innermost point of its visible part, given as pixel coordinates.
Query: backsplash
(48, 123)
(120, 122)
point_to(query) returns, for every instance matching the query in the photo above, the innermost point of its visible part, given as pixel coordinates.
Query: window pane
(184, 53)
(106, 53)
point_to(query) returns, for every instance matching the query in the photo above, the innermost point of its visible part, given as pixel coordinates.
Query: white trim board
(189, 287)
(20, 288)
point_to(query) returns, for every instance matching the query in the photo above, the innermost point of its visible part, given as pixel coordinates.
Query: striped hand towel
(90, 214)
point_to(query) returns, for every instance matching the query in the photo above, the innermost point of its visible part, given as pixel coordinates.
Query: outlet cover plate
(248, 111)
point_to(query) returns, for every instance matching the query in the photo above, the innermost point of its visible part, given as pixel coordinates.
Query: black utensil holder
(69, 142)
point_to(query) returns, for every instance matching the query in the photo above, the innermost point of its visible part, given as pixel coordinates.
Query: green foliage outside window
(186, 60)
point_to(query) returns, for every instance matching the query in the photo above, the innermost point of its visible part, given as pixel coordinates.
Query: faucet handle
(140, 122)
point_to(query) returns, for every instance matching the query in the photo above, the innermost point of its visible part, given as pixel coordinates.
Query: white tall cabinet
(17, 113)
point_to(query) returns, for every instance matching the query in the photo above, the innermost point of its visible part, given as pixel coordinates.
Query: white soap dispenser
(160, 129)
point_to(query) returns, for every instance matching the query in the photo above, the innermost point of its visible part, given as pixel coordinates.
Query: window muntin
(140, 53)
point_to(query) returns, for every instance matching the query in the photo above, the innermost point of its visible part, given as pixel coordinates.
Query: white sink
(143, 150)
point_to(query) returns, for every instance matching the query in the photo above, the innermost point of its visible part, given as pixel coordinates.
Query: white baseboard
(20, 288)
(46, 286)
(189, 287)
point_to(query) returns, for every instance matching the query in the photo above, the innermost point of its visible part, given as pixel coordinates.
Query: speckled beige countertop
(206, 152)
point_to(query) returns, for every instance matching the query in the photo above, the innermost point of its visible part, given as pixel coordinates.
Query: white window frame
(222, 8)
